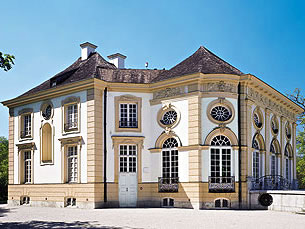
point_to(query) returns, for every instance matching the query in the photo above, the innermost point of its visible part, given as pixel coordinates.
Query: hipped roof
(202, 61)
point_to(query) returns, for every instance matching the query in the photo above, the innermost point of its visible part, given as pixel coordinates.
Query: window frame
(22, 148)
(129, 115)
(223, 102)
(220, 138)
(72, 179)
(128, 156)
(22, 113)
(170, 151)
(66, 103)
(127, 99)
(65, 143)
(127, 140)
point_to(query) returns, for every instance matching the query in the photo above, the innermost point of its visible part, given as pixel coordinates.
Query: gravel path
(34, 217)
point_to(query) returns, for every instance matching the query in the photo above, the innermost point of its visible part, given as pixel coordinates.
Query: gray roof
(96, 66)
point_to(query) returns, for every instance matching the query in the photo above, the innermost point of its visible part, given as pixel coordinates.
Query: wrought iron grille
(170, 184)
(272, 182)
(128, 124)
(222, 184)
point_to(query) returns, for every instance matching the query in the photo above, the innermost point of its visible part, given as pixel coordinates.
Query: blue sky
(265, 38)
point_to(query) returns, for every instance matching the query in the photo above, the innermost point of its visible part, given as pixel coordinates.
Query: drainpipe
(105, 145)
(239, 149)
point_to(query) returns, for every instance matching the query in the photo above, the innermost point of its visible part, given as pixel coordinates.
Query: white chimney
(118, 60)
(86, 49)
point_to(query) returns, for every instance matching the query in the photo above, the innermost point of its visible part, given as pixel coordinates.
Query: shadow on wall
(43, 224)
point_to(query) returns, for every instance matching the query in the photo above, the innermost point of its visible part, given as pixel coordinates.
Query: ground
(34, 217)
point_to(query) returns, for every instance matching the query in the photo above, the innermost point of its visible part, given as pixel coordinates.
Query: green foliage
(301, 157)
(6, 61)
(300, 166)
(3, 168)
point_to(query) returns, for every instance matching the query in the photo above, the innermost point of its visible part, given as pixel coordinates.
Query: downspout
(239, 148)
(105, 145)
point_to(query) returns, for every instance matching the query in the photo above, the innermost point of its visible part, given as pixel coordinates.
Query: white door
(128, 176)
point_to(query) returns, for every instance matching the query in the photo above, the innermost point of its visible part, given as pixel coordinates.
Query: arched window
(170, 161)
(220, 140)
(221, 160)
(288, 161)
(46, 154)
(274, 150)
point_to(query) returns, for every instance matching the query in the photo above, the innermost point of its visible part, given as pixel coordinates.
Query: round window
(288, 131)
(274, 126)
(169, 117)
(257, 120)
(221, 113)
(46, 111)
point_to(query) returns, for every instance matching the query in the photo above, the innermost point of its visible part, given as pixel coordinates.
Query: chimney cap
(83, 45)
(116, 55)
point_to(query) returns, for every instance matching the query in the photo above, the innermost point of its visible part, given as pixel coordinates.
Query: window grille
(168, 202)
(27, 167)
(128, 158)
(128, 116)
(221, 113)
(220, 140)
(273, 165)
(169, 118)
(220, 160)
(221, 203)
(256, 164)
(71, 202)
(287, 169)
(72, 117)
(27, 125)
(72, 164)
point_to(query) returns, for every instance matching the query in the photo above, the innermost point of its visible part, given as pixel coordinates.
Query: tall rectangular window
(72, 164)
(72, 116)
(255, 165)
(287, 168)
(128, 115)
(26, 126)
(273, 165)
(128, 158)
(220, 165)
(27, 167)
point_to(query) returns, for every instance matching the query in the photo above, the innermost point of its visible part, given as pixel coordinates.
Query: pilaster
(11, 147)
(194, 138)
(94, 135)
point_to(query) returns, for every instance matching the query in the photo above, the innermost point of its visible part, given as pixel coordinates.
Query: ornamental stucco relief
(168, 92)
(219, 86)
(255, 96)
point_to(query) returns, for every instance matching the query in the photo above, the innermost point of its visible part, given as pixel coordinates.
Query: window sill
(67, 132)
(25, 139)
(128, 129)
(47, 163)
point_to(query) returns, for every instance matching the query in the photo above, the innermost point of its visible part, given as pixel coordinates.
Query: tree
(3, 168)
(300, 167)
(6, 61)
